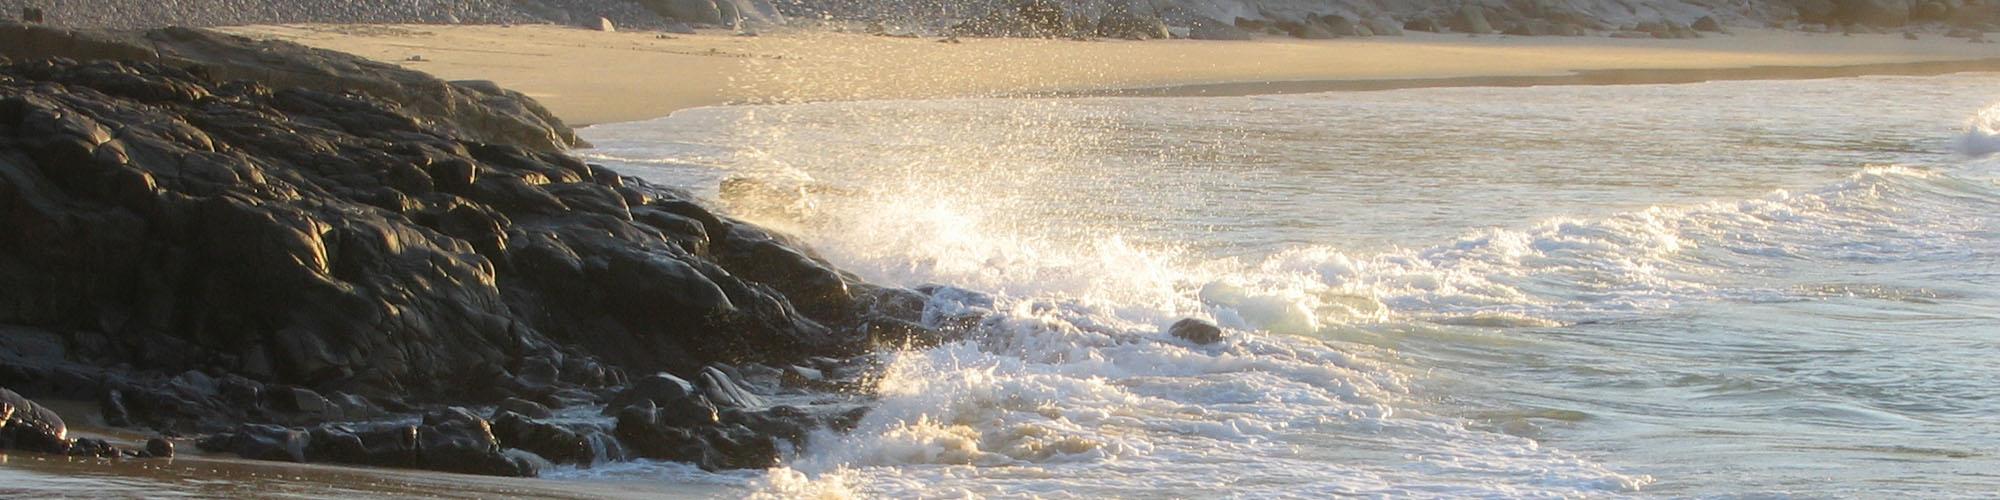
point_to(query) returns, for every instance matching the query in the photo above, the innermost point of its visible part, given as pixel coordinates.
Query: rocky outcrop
(195, 252)
(27, 426)
(477, 111)
(365, 251)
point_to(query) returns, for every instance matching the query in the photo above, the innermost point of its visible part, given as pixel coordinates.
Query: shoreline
(589, 77)
(1581, 77)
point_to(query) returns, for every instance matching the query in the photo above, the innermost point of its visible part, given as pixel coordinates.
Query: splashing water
(1427, 292)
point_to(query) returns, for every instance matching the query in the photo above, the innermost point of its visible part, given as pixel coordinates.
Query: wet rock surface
(27, 426)
(1196, 331)
(256, 260)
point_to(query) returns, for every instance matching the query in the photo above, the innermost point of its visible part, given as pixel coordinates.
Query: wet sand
(195, 474)
(588, 76)
(30, 475)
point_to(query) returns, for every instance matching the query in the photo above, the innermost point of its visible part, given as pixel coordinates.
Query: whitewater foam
(1072, 387)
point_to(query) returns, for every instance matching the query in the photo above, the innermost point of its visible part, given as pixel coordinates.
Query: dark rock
(27, 426)
(260, 442)
(558, 444)
(228, 251)
(713, 446)
(113, 408)
(725, 391)
(363, 252)
(92, 447)
(484, 112)
(525, 408)
(1196, 331)
(159, 448)
(784, 422)
(455, 440)
(32, 15)
(675, 401)
(302, 400)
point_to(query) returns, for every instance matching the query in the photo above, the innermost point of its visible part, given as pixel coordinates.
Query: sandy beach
(589, 76)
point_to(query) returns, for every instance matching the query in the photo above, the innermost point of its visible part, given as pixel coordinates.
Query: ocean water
(1732, 289)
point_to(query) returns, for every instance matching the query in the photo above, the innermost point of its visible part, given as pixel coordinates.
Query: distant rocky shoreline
(294, 254)
(1079, 19)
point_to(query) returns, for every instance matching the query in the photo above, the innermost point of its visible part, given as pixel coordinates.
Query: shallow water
(1713, 290)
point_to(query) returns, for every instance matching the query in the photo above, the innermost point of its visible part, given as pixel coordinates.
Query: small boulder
(583, 445)
(455, 440)
(677, 401)
(604, 25)
(523, 407)
(1196, 331)
(29, 426)
(159, 448)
